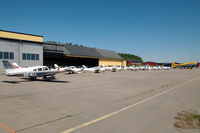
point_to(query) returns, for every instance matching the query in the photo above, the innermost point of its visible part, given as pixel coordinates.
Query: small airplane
(166, 68)
(70, 69)
(111, 68)
(30, 72)
(118, 68)
(92, 69)
(73, 70)
(102, 68)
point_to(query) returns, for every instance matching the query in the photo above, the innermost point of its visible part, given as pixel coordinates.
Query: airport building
(30, 50)
(24, 49)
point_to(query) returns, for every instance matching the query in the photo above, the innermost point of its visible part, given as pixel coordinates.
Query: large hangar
(65, 55)
(24, 49)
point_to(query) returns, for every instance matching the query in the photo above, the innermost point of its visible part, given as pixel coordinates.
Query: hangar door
(70, 61)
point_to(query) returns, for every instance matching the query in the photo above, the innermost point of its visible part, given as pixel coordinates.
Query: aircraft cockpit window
(45, 69)
(34, 69)
(39, 69)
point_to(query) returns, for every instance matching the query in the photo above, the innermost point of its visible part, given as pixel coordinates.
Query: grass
(186, 119)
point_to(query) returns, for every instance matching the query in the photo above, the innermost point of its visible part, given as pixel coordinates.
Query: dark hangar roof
(81, 51)
(108, 54)
(72, 50)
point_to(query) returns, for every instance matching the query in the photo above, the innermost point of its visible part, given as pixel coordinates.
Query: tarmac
(108, 102)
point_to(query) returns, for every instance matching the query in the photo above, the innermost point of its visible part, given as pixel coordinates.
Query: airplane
(111, 68)
(125, 68)
(70, 69)
(166, 68)
(132, 68)
(30, 72)
(74, 70)
(92, 69)
(102, 68)
(118, 68)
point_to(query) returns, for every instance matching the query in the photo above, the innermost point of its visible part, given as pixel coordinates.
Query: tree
(131, 57)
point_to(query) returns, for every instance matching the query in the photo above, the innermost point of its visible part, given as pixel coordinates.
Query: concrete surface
(72, 100)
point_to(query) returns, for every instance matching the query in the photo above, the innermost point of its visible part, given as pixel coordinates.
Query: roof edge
(21, 33)
(20, 40)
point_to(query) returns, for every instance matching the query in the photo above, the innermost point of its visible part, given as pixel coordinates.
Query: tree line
(54, 42)
(131, 57)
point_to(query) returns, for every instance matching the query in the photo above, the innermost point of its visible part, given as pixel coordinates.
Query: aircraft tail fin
(84, 66)
(7, 64)
(15, 65)
(56, 66)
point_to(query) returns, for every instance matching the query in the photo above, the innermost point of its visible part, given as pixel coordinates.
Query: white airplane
(166, 68)
(125, 68)
(132, 68)
(102, 68)
(92, 69)
(118, 68)
(142, 68)
(111, 68)
(70, 69)
(73, 70)
(148, 67)
(29, 72)
(156, 68)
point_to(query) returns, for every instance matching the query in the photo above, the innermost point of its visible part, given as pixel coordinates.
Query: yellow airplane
(174, 65)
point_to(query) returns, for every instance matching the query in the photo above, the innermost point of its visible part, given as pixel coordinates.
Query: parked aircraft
(70, 69)
(92, 69)
(111, 68)
(118, 68)
(29, 72)
(73, 69)
(102, 68)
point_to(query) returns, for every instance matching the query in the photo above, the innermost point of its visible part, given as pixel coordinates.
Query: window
(39, 69)
(34, 69)
(1, 55)
(28, 57)
(37, 56)
(32, 56)
(24, 56)
(45, 69)
(11, 55)
(5, 54)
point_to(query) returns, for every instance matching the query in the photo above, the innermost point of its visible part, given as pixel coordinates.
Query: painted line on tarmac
(124, 109)
(7, 128)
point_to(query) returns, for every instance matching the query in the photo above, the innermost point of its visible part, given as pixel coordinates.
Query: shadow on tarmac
(40, 80)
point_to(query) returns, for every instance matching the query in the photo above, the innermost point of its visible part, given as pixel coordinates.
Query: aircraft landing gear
(53, 77)
(33, 78)
(49, 77)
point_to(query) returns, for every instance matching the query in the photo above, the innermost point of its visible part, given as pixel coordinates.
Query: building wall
(20, 36)
(18, 48)
(124, 63)
(112, 62)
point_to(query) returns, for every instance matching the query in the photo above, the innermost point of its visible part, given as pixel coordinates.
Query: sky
(156, 30)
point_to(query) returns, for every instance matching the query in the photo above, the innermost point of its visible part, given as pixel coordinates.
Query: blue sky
(156, 30)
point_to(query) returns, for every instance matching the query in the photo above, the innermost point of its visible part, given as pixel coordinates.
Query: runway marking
(7, 128)
(123, 109)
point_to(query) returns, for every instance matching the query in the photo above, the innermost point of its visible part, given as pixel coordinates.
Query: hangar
(66, 55)
(30, 50)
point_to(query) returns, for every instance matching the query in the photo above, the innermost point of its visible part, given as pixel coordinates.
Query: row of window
(7, 55)
(28, 56)
(25, 56)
